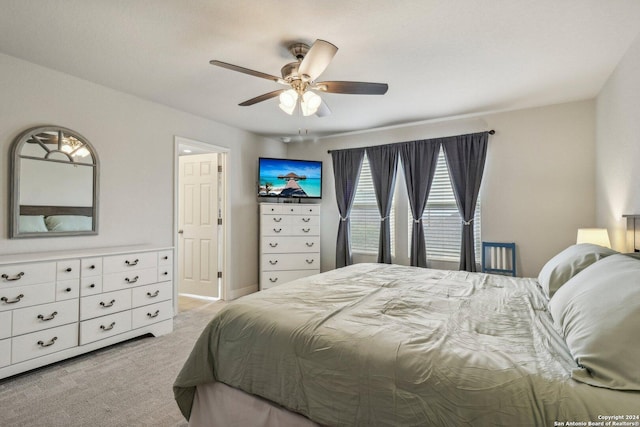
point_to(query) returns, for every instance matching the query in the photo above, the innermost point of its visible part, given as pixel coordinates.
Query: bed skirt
(218, 405)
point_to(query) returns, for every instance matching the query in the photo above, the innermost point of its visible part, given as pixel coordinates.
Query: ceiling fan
(300, 76)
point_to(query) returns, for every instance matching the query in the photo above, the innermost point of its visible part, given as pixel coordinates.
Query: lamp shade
(310, 103)
(288, 101)
(597, 236)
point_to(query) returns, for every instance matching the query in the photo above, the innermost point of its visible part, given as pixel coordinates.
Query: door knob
(180, 231)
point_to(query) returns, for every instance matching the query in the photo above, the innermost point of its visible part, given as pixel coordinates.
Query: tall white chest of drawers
(58, 305)
(289, 242)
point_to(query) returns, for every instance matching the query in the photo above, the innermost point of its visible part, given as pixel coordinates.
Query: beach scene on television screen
(290, 178)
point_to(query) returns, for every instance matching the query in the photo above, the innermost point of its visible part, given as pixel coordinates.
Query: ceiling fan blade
(246, 71)
(261, 98)
(323, 110)
(316, 60)
(355, 88)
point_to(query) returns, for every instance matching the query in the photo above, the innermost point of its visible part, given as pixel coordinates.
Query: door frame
(224, 235)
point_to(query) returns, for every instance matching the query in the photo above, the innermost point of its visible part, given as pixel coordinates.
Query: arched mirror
(54, 184)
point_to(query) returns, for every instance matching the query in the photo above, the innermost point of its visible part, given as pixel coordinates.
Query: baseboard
(237, 293)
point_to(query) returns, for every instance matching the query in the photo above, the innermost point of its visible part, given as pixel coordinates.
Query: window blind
(441, 221)
(365, 217)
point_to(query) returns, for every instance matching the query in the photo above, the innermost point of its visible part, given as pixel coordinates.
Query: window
(441, 220)
(365, 217)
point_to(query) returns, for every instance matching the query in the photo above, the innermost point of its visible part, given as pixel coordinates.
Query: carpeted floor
(128, 384)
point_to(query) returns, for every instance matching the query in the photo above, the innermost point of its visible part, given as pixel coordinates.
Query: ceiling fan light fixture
(310, 103)
(288, 100)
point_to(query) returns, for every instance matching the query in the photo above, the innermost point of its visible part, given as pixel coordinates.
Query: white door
(198, 225)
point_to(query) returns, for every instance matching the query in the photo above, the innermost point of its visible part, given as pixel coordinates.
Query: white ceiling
(441, 58)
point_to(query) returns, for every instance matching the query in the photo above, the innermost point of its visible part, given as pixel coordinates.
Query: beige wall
(618, 147)
(135, 143)
(538, 186)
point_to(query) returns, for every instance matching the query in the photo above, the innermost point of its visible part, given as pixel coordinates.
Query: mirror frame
(14, 189)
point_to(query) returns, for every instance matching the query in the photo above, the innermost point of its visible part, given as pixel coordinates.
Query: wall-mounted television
(289, 178)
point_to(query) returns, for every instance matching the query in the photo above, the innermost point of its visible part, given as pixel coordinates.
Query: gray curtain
(346, 171)
(419, 161)
(383, 160)
(465, 156)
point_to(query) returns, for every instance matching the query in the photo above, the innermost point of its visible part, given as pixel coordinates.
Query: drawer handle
(273, 262)
(92, 267)
(153, 295)
(166, 257)
(309, 261)
(273, 245)
(166, 273)
(309, 244)
(68, 269)
(272, 280)
(68, 290)
(52, 342)
(93, 285)
(16, 277)
(306, 219)
(6, 300)
(306, 230)
(134, 280)
(151, 316)
(277, 230)
(46, 319)
(108, 328)
(277, 219)
(132, 263)
(107, 304)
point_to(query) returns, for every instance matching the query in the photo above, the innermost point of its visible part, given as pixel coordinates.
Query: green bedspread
(376, 344)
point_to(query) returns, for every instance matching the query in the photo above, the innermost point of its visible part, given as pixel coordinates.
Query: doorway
(200, 207)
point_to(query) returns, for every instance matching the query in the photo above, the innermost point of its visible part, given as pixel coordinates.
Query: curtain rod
(491, 132)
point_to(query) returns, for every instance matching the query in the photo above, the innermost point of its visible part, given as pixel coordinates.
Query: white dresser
(58, 305)
(289, 242)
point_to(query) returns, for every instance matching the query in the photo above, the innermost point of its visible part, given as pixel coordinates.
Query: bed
(378, 344)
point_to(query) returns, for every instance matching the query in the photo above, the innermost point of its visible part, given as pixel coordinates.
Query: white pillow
(68, 223)
(598, 312)
(31, 224)
(568, 263)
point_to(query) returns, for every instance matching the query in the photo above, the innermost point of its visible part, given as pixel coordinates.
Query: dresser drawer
(165, 273)
(129, 279)
(275, 221)
(165, 258)
(305, 220)
(273, 209)
(274, 278)
(129, 262)
(25, 296)
(91, 267)
(67, 269)
(103, 304)
(104, 327)
(276, 230)
(31, 319)
(275, 245)
(27, 274)
(305, 230)
(150, 294)
(306, 210)
(153, 313)
(91, 285)
(5, 352)
(5, 324)
(45, 342)
(67, 289)
(275, 262)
